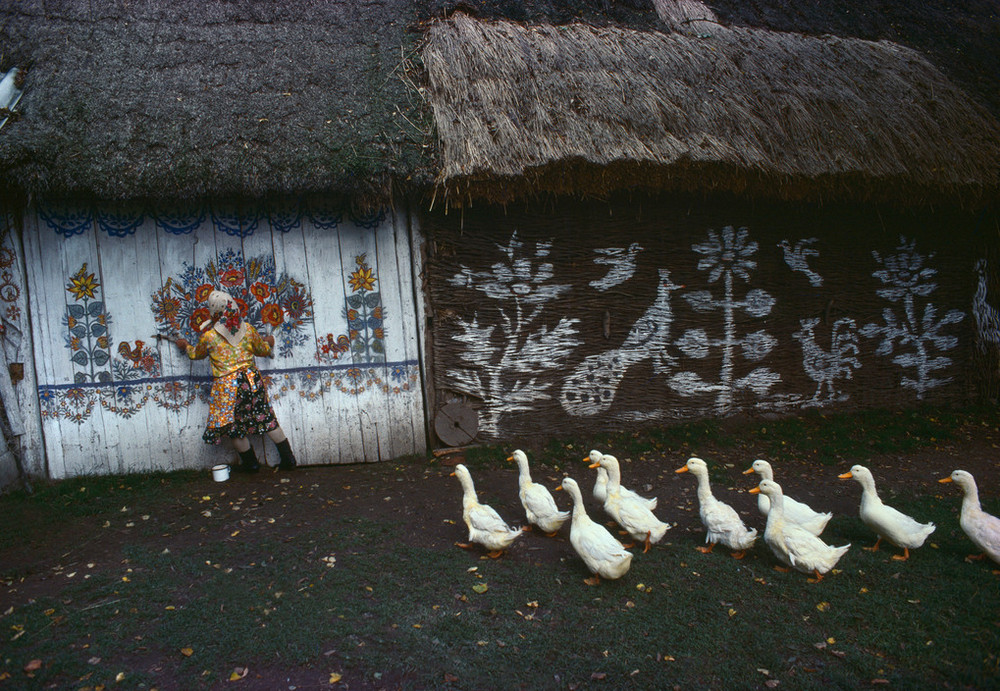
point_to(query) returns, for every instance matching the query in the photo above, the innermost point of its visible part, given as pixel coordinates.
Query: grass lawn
(174, 582)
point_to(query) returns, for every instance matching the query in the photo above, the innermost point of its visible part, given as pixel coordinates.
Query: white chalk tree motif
(506, 358)
(728, 256)
(826, 367)
(907, 281)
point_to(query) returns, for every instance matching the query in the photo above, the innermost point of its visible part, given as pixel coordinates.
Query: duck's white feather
(795, 511)
(722, 523)
(794, 546)
(632, 514)
(601, 484)
(485, 525)
(888, 523)
(603, 554)
(982, 528)
(539, 505)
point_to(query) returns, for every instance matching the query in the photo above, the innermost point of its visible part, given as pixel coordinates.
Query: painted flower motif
(231, 278)
(355, 374)
(74, 343)
(70, 321)
(261, 291)
(352, 315)
(82, 285)
(362, 278)
(520, 278)
(272, 314)
(377, 312)
(173, 388)
(296, 304)
(199, 317)
(76, 396)
(379, 333)
(46, 395)
(102, 342)
(729, 253)
(203, 291)
(169, 309)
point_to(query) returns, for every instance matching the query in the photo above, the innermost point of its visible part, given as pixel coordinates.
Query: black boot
(287, 457)
(248, 461)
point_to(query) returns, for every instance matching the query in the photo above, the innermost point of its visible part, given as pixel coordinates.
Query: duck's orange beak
(946, 479)
(754, 490)
(748, 471)
(846, 476)
(593, 465)
(682, 469)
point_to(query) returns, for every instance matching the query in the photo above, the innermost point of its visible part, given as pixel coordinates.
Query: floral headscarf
(226, 312)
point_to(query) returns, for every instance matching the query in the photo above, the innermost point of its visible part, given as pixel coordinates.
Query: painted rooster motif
(824, 367)
(129, 353)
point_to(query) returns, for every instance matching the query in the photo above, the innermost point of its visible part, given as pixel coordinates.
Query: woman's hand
(182, 344)
(269, 340)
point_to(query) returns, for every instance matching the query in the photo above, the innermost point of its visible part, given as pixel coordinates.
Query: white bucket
(220, 473)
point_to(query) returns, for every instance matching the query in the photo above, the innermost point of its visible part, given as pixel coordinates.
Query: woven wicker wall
(576, 317)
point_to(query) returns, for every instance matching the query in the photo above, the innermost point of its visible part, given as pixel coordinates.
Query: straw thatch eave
(584, 109)
(195, 99)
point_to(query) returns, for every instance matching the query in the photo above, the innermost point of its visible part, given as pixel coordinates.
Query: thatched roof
(585, 110)
(198, 98)
(145, 99)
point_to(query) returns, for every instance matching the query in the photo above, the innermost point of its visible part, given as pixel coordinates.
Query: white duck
(485, 525)
(794, 546)
(539, 505)
(888, 523)
(795, 511)
(603, 554)
(601, 484)
(982, 528)
(631, 513)
(720, 519)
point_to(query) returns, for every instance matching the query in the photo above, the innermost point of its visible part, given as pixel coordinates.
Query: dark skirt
(252, 412)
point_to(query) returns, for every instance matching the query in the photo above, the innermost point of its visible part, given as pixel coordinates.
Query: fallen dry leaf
(597, 676)
(33, 666)
(334, 678)
(187, 652)
(239, 673)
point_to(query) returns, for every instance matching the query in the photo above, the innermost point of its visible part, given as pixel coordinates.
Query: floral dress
(239, 406)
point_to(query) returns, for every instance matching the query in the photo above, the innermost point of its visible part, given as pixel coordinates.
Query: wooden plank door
(334, 289)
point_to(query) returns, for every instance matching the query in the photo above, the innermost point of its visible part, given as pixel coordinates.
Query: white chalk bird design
(795, 258)
(590, 389)
(622, 263)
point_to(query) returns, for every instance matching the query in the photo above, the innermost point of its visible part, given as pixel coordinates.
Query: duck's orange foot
(552, 534)
(782, 569)
(495, 554)
(629, 545)
(819, 577)
(975, 557)
(593, 580)
(705, 550)
(739, 555)
(646, 548)
(902, 557)
(463, 545)
(873, 548)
